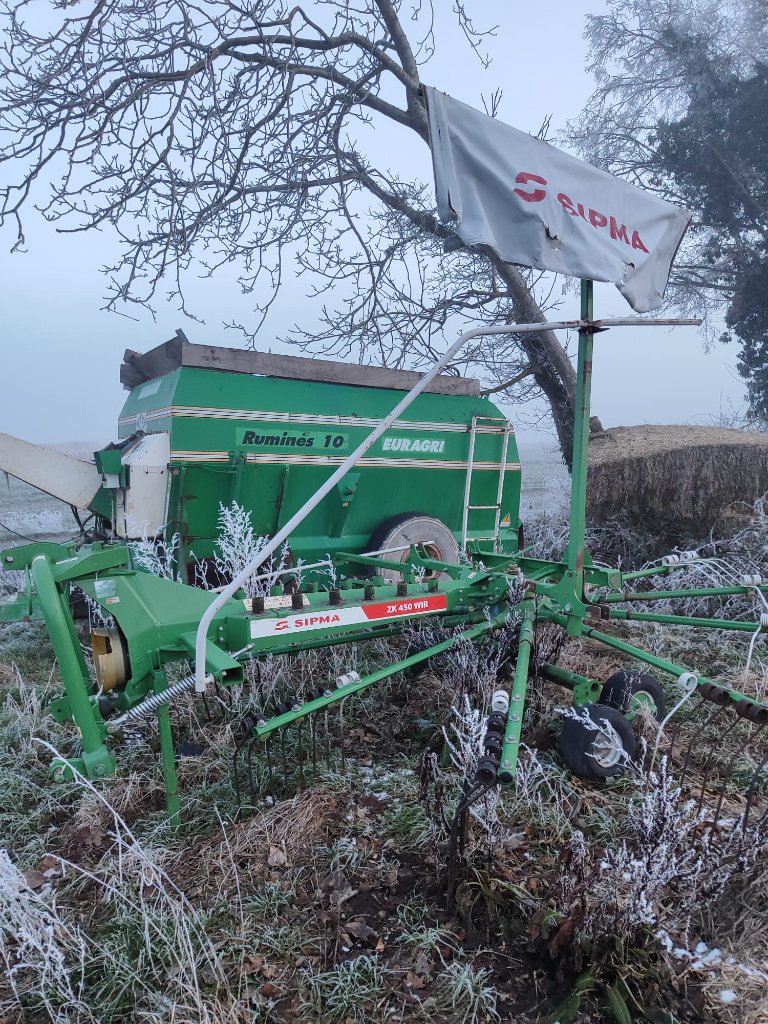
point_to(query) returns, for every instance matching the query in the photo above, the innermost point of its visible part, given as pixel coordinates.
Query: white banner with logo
(539, 207)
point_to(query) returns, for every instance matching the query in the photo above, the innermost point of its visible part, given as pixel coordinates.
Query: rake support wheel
(628, 689)
(599, 744)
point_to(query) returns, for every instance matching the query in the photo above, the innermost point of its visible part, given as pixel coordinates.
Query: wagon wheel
(628, 691)
(413, 528)
(599, 744)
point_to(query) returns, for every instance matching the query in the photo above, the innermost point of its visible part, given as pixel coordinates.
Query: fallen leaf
(414, 981)
(360, 931)
(269, 990)
(34, 879)
(276, 858)
(341, 897)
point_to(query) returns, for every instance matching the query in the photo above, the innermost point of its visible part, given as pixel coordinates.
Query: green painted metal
(685, 620)
(671, 595)
(585, 690)
(574, 557)
(511, 749)
(168, 756)
(96, 760)
(353, 689)
(269, 443)
(228, 442)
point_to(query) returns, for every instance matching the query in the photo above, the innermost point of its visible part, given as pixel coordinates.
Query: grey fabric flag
(539, 207)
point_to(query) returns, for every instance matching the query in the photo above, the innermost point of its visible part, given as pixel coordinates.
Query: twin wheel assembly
(598, 741)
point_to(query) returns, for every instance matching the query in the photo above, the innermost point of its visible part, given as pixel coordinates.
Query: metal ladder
(506, 430)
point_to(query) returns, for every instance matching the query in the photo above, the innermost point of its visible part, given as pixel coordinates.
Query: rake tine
(270, 769)
(693, 742)
(680, 721)
(207, 709)
(249, 762)
(300, 753)
(750, 793)
(313, 742)
(341, 734)
(283, 759)
(732, 765)
(710, 759)
(458, 837)
(327, 744)
(225, 697)
(235, 768)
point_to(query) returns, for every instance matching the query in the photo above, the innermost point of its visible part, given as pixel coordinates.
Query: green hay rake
(494, 596)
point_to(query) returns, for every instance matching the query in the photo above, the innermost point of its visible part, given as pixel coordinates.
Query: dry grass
(287, 902)
(682, 474)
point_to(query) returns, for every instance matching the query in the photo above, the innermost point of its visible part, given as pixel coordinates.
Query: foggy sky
(60, 352)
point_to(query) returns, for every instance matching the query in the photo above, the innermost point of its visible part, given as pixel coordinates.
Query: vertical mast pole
(575, 552)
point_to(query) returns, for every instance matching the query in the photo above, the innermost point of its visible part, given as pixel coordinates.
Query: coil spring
(682, 556)
(155, 701)
(748, 580)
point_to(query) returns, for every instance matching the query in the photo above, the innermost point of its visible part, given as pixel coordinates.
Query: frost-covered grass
(329, 906)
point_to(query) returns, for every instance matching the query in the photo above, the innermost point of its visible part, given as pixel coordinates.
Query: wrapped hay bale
(683, 475)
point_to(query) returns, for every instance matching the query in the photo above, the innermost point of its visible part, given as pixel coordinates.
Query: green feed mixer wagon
(206, 426)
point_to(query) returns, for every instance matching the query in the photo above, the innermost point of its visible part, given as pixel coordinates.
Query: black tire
(622, 687)
(413, 528)
(589, 751)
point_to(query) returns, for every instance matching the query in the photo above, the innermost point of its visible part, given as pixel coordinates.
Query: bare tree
(220, 132)
(656, 62)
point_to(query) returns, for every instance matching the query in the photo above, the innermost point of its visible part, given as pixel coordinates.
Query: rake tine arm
(321, 703)
(715, 692)
(678, 595)
(735, 625)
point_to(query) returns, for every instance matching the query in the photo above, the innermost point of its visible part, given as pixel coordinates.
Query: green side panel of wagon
(269, 442)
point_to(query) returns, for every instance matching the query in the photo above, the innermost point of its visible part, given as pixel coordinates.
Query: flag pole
(575, 551)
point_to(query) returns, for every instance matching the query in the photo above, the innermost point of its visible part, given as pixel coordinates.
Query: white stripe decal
(330, 618)
(326, 460)
(256, 415)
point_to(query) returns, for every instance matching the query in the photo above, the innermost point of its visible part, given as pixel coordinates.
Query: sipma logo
(308, 622)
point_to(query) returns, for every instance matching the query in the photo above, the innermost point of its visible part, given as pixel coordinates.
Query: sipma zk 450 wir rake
(494, 596)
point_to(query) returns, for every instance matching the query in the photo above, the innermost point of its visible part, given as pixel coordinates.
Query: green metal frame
(158, 618)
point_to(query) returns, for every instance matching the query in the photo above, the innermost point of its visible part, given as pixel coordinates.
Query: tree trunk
(551, 366)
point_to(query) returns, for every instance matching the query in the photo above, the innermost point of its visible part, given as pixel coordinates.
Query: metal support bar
(562, 676)
(673, 595)
(685, 620)
(574, 556)
(511, 748)
(168, 755)
(650, 659)
(96, 760)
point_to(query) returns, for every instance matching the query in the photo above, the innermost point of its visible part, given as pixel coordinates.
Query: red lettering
(281, 625)
(619, 231)
(536, 196)
(597, 220)
(566, 204)
(582, 214)
(637, 242)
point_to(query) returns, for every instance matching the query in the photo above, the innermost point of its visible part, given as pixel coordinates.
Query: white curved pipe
(283, 534)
